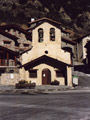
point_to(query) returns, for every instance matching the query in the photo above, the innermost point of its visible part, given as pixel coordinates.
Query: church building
(46, 61)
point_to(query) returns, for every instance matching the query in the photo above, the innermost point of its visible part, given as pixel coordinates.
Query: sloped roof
(80, 38)
(68, 40)
(40, 21)
(26, 50)
(44, 19)
(9, 36)
(8, 50)
(47, 60)
(13, 26)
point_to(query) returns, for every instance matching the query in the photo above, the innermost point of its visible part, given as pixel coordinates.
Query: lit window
(40, 34)
(52, 34)
(33, 73)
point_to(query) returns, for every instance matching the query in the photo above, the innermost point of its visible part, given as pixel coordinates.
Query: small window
(33, 73)
(40, 35)
(11, 71)
(46, 52)
(26, 45)
(52, 34)
(59, 73)
(7, 42)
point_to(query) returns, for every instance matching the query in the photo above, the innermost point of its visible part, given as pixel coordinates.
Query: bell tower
(46, 34)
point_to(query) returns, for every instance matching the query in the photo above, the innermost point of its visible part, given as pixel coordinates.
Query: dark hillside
(74, 14)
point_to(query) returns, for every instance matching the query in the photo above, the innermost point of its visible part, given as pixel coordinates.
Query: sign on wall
(12, 76)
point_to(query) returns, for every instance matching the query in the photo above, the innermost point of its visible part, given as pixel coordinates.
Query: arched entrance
(46, 76)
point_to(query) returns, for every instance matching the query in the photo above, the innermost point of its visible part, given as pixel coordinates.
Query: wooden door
(46, 77)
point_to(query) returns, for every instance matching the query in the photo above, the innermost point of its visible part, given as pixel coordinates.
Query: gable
(45, 20)
(36, 23)
(47, 60)
(46, 25)
(41, 23)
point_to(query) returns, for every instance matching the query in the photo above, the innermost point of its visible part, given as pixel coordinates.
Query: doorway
(46, 77)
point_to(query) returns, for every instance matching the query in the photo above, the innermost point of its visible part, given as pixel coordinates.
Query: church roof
(47, 60)
(42, 20)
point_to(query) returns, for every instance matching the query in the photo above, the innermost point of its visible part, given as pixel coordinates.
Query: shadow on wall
(47, 60)
(82, 68)
(84, 81)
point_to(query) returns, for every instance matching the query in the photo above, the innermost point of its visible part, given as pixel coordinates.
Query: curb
(21, 92)
(38, 92)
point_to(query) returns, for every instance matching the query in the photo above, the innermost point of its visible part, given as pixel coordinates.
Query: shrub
(23, 82)
(55, 82)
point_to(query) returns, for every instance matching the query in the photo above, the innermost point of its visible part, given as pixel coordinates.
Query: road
(63, 106)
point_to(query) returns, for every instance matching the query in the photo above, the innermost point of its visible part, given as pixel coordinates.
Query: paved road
(63, 106)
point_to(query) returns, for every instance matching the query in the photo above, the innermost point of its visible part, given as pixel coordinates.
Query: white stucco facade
(50, 49)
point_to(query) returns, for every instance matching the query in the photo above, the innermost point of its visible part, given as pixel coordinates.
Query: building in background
(13, 40)
(87, 46)
(80, 48)
(23, 37)
(43, 53)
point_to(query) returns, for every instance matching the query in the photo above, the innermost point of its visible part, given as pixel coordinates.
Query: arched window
(52, 34)
(40, 34)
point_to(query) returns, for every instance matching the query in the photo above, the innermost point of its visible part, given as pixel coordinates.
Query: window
(11, 62)
(59, 73)
(7, 43)
(11, 71)
(33, 73)
(46, 52)
(52, 34)
(26, 45)
(40, 34)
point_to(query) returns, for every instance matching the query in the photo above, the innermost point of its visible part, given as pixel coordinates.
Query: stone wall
(9, 78)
